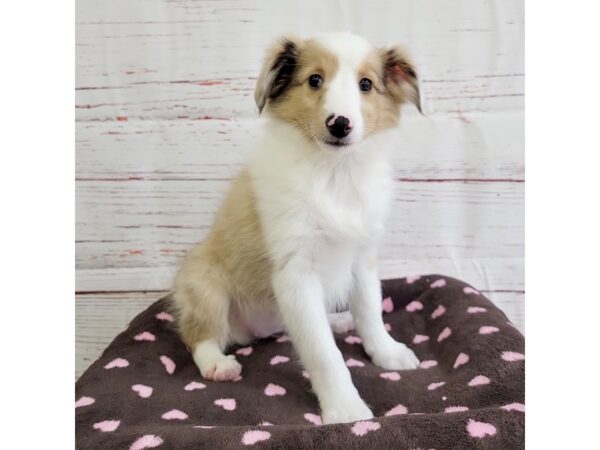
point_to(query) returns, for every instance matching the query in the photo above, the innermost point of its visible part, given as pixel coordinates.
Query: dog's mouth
(338, 143)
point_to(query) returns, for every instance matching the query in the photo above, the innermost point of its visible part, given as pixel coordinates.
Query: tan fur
(300, 104)
(230, 267)
(380, 109)
(231, 270)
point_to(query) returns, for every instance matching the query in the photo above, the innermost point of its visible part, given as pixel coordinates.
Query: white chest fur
(321, 208)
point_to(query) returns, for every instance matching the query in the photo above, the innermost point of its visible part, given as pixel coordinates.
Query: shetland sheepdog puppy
(295, 240)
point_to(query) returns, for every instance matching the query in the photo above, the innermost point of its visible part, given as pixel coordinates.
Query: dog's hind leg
(202, 305)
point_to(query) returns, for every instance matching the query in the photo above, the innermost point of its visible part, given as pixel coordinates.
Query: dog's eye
(365, 84)
(315, 81)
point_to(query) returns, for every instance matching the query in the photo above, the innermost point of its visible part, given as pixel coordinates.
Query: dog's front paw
(224, 368)
(395, 356)
(346, 411)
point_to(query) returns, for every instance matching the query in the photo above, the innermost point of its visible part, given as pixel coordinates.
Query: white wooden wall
(165, 117)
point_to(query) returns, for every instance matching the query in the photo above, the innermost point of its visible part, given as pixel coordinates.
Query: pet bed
(145, 391)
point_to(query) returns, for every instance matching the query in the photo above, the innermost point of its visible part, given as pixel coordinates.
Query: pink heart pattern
(488, 330)
(106, 426)
(415, 305)
(461, 360)
(228, 404)
(164, 316)
(513, 356)
(174, 414)
(313, 418)
(479, 380)
(387, 305)
(420, 338)
(142, 390)
(514, 407)
(397, 410)
(364, 427)
(454, 409)
(354, 363)
(279, 360)
(438, 283)
(480, 429)
(412, 278)
(273, 390)
(245, 351)
(168, 363)
(439, 311)
(253, 436)
(434, 386)
(145, 336)
(353, 340)
(477, 427)
(392, 376)
(194, 385)
(445, 334)
(84, 401)
(117, 363)
(427, 364)
(146, 441)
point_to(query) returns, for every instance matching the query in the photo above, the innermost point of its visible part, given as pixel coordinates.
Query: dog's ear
(277, 71)
(400, 76)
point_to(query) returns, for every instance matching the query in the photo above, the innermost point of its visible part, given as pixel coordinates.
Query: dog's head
(337, 89)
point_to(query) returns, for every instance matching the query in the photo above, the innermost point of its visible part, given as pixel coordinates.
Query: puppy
(295, 239)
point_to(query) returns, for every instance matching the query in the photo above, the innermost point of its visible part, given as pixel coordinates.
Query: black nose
(340, 127)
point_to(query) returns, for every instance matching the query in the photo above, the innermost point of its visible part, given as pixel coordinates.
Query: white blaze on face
(343, 96)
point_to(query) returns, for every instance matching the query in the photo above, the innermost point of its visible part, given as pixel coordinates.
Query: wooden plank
(165, 118)
(153, 223)
(232, 97)
(512, 303)
(100, 317)
(190, 58)
(491, 274)
(474, 146)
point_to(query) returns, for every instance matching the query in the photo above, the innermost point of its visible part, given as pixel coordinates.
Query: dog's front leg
(366, 308)
(300, 297)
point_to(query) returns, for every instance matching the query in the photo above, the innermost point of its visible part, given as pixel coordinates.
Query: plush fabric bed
(146, 392)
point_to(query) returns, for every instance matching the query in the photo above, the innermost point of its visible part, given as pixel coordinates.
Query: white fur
(343, 97)
(322, 213)
(213, 364)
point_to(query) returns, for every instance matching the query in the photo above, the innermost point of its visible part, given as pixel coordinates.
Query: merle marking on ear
(277, 71)
(400, 77)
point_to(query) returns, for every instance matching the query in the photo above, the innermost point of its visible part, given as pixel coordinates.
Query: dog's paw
(346, 411)
(395, 356)
(225, 368)
(341, 322)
